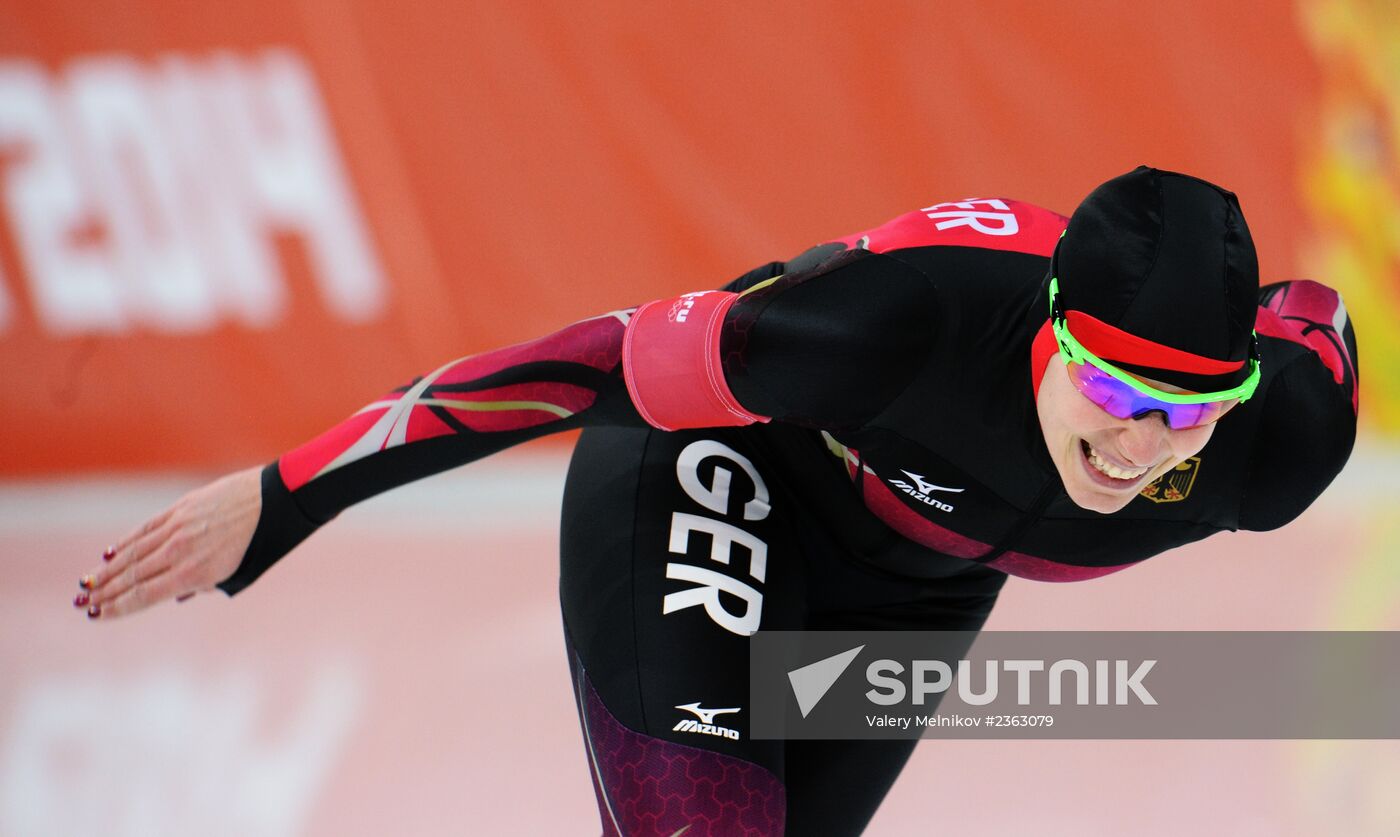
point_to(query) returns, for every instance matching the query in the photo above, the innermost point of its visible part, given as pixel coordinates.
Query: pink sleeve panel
(452, 399)
(987, 223)
(671, 362)
(1313, 315)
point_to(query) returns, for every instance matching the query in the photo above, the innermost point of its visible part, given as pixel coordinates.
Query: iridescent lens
(1122, 401)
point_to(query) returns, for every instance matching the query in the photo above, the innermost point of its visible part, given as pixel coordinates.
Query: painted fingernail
(81, 600)
(87, 582)
(94, 612)
(109, 553)
(179, 599)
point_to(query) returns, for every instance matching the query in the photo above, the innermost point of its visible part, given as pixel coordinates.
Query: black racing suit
(902, 476)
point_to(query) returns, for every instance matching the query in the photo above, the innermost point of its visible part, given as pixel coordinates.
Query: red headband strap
(1117, 345)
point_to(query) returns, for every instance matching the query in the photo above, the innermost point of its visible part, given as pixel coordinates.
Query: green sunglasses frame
(1072, 351)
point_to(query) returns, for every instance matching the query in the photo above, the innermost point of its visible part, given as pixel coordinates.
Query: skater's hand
(188, 548)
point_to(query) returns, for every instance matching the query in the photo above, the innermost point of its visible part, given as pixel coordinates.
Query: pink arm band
(670, 360)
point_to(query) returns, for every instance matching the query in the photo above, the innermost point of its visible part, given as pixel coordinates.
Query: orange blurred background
(226, 227)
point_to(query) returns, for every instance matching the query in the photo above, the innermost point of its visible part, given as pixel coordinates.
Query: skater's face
(1105, 461)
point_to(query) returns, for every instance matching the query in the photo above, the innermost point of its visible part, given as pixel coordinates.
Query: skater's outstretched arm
(826, 347)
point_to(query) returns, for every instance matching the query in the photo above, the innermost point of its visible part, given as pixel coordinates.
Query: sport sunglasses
(1123, 396)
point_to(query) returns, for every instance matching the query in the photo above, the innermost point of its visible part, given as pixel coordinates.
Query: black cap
(1167, 258)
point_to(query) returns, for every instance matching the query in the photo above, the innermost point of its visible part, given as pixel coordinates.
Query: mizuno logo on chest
(921, 490)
